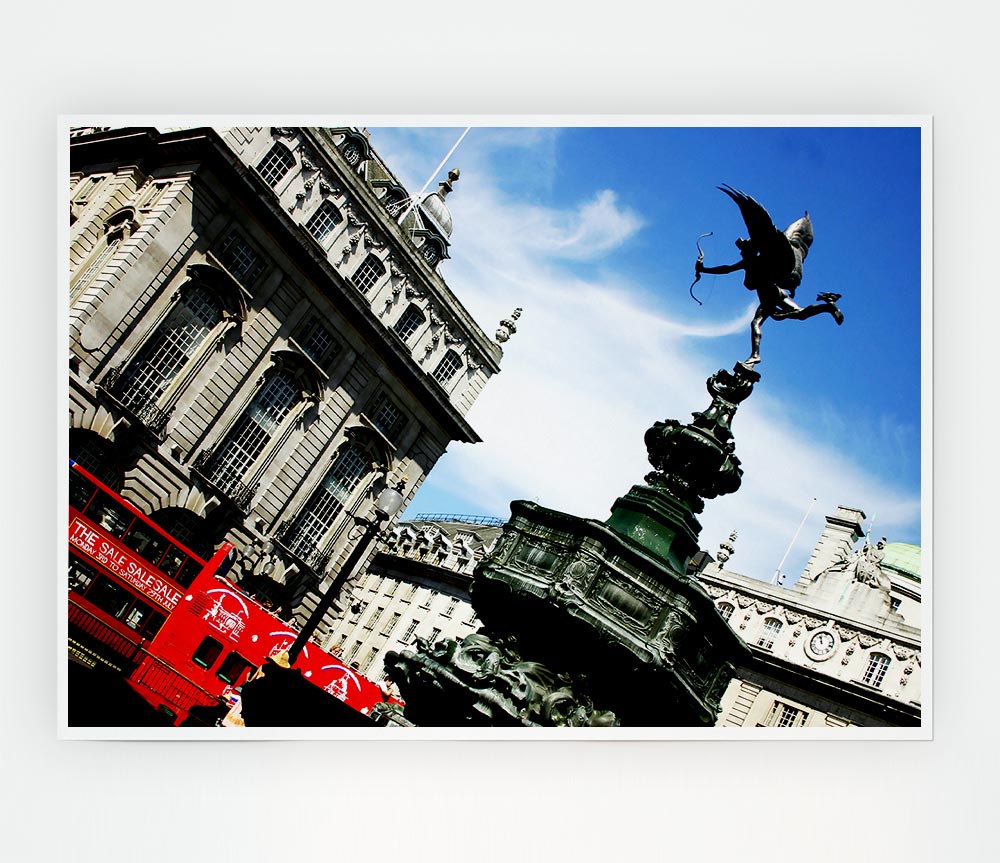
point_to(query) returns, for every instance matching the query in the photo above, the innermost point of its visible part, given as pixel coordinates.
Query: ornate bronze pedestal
(589, 623)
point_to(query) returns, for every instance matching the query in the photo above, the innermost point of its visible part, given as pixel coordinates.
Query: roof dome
(904, 558)
(434, 207)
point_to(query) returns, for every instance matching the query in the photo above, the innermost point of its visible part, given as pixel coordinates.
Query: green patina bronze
(589, 623)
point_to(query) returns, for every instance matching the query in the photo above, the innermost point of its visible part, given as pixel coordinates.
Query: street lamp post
(387, 505)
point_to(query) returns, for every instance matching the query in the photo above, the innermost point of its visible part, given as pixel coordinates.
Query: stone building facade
(416, 587)
(261, 338)
(841, 647)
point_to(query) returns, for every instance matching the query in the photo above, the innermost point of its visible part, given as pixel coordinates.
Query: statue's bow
(697, 272)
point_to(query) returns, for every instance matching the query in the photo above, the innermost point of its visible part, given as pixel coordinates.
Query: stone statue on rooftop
(772, 264)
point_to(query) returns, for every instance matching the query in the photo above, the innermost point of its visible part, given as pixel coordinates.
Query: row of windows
(152, 546)
(386, 586)
(873, 675)
(230, 670)
(174, 344)
(279, 160)
(114, 599)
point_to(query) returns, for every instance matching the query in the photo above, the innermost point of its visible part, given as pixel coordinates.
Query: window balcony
(221, 478)
(142, 409)
(300, 544)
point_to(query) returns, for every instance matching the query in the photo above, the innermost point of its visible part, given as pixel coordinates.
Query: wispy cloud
(593, 364)
(590, 231)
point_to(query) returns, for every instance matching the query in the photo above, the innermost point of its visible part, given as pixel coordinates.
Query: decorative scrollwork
(498, 682)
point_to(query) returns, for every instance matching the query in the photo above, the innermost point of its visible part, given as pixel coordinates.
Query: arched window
(409, 322)
(370, 271)
(878, 664)
(228, 464)
(278, 162)
(324, 220)
(770, 630)
(354, 149)
(170, 348)
(450, 363)
(188, 528)
(327, 501)
(726, 610)
(96, 456)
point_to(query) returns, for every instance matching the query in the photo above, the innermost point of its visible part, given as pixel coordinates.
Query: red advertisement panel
(123, 563)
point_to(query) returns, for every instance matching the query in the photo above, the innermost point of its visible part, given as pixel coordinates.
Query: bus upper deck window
(109, 514)
(81, 490)
(137, 615)
(173, 562)
(145, 541)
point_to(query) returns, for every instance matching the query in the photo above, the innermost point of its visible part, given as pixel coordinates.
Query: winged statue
(771, 260)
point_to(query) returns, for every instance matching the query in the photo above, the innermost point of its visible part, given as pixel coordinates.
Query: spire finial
(727, 549)
(445, 186)
(507, 326)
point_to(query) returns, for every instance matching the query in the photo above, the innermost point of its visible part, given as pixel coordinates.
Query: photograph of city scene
(496, 428)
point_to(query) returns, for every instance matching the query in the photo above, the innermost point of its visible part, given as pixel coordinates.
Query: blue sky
(592, 232)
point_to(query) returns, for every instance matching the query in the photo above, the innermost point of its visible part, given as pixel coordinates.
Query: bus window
(145, 541)
(188, 572)
(109, 597)
(109, 514)
(153, 624)
(80, 575)
(172, 563)
(137, 616)
(81, 490)
(233, 667)
(208, 651)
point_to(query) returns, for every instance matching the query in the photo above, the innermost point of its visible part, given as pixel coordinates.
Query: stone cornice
(788, 600)
(322, 141)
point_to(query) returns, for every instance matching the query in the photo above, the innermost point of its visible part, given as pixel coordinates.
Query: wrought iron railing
(490, 520)
(143, 409)
(212, 469)
(301, 545)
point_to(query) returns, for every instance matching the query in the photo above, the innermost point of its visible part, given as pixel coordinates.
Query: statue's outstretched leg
(827, 304)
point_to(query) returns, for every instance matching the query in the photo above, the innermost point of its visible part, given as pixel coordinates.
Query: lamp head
(390, 500)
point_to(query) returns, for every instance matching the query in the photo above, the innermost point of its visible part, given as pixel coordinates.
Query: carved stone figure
(772, 264)
(487, 681)
(865, 565)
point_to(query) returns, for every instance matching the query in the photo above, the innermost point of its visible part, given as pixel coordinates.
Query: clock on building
(431, 253)
(821, 645)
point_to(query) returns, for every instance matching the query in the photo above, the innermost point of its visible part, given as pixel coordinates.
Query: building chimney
(843, 529)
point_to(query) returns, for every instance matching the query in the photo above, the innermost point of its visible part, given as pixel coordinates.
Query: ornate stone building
(261, 338)
(839, 647)
(416, 587)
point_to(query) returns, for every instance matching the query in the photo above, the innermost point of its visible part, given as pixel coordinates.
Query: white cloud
(591, 230)
(591, 367)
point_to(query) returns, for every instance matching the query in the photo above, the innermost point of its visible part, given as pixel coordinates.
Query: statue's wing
(765, 236)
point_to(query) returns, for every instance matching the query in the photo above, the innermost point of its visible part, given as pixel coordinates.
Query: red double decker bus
(169, 622)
